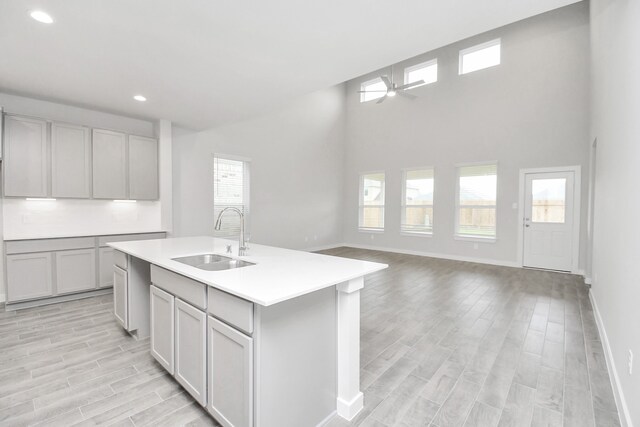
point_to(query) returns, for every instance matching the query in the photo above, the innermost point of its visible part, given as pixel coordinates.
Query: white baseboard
(621, 403)
(3, 298)
(437, 255)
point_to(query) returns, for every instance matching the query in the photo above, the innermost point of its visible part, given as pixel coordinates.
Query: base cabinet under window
(230, 375)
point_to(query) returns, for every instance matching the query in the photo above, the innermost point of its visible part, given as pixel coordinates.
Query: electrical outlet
(372, 237)
(306, 238)
(475, 246)
(315, 237)
(630, 362)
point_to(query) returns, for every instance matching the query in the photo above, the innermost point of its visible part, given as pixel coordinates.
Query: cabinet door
(29, 276)
(26, 161)
(143, 168)
(230, 375)
(105, 265)
(120, 296)
(109, 164)
(162, 328)
(191, 348)
(75, 270)
(70, 161)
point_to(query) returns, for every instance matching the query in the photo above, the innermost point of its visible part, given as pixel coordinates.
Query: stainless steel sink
(212, 262)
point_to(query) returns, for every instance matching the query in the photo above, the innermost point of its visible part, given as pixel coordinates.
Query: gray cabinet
(190, 351)
(230, 375)
(29, 276)
(109, 164)
(26, 172)
(105, 267)
(143, 168)
(70, 161)
(120, 297)
(75, 270)
(162, 327)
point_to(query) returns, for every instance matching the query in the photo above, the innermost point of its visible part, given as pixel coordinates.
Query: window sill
(416, 234)
(466, 238)
(371, 230)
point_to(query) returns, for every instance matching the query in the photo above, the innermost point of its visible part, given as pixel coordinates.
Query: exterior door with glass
(548, 220)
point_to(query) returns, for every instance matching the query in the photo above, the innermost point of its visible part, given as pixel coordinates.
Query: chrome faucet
(242, 244)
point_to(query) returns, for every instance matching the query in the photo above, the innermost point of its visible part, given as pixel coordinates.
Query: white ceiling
(203, 63)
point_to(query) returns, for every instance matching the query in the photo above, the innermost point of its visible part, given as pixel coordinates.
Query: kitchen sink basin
(212, 262)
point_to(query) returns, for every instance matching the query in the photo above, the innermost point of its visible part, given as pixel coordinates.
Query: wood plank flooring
(444, 343)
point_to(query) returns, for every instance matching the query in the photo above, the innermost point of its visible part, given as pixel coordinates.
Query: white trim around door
(576, 211)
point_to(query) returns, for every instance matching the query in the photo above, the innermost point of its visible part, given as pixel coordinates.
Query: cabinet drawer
(231, 309)
(49, 245)
(184, 288)
(120, 259)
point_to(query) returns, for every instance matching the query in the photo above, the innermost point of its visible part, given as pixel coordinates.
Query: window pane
(372, 217)
(419, 187)
(228, 191)
(427, 72)
(478, 185)
(474, 59)
(548, 201)
(477, 221)
(417, 219)
(373, 189)
(376, 84)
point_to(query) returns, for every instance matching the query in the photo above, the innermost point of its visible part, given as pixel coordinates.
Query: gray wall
(531, 111)
(616, 125)
(296, 172)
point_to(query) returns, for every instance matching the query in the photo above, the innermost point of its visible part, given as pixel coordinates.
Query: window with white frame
(371, 206)
(427, 71)
(476, 201)
(479, 57)
(417, 201)
(375, 89)
(230, 189)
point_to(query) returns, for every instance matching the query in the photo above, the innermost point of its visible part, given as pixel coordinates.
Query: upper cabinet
(70, 161)
(109, 164)
(143, 168)
(26, 171)
(50, 159)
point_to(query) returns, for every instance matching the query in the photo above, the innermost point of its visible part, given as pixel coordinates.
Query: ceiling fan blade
(371, 91)
(381, 99)
(405, 94)
(410, 85)
(386, 82)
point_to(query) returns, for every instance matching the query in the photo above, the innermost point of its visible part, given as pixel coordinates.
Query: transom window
(427, 71)
(479, 57)
(373, 85)
(371, 206)
(476, 201)
(417, 201)
(230, 189)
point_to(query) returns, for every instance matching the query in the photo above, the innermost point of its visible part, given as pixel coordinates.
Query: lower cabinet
(105, 267)
(230, 375)
(120, 296)
(75, 270)
(162, 328)
(191, 350)
(29, 276)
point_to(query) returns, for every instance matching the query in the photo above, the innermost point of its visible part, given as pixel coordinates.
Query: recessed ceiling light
(41, 16)
(139, 98)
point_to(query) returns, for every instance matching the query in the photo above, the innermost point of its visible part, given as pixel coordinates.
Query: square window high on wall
(375, 89)
(479, 57)
(371, 204)
(426, 71)
(476, 195)
(230, 189)
(417, 201)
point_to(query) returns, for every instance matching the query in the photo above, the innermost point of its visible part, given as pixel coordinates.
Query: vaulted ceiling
(203, 63)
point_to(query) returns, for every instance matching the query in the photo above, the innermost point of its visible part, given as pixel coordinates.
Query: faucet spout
(242, 244)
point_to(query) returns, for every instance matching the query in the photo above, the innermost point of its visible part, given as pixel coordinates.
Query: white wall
(616, 125)
(531, 111)
(296, 172)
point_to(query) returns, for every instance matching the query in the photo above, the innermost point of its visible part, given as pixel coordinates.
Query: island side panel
(139, 297)
(295, 361)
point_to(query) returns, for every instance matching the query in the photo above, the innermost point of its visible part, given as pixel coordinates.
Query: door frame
(577, 209)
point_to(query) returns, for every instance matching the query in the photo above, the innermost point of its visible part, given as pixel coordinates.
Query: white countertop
(72, 235)
(279, 274)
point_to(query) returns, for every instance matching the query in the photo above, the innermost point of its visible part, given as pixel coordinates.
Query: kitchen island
(273, 343)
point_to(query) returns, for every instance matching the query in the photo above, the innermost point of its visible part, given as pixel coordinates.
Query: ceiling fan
(393, 89)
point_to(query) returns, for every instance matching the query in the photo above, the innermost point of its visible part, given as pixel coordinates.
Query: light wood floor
(444, 343)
